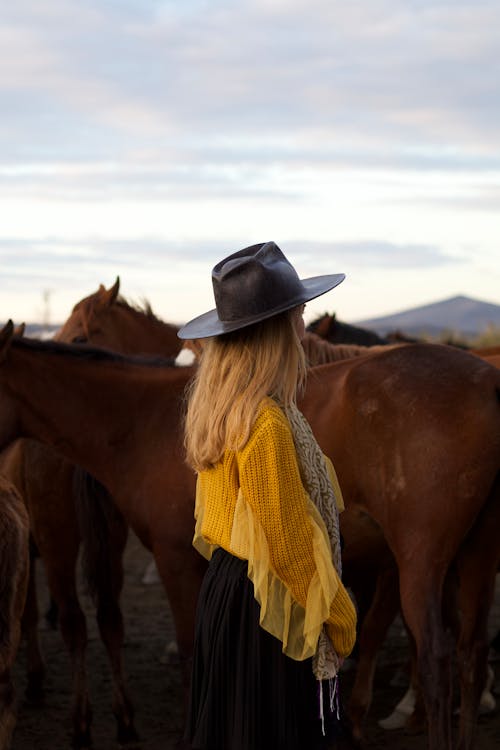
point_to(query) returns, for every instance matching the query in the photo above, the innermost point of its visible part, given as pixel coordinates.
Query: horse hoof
(487, 702)
(404, 709)
(396, 720)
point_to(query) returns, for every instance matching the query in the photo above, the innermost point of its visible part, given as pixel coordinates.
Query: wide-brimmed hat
(254, 284)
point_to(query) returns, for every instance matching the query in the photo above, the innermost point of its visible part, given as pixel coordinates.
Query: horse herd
(96, 415)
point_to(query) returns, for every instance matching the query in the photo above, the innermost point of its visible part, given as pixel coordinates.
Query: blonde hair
(236, 371)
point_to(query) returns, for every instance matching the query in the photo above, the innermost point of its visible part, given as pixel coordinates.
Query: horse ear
(19, 330)
(108, 296)
(115, 289)
(323, 327)
(6, 335)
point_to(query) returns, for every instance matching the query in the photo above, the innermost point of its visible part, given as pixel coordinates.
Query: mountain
(461, 315)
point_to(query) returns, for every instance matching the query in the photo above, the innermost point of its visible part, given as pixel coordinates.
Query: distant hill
(461, 315)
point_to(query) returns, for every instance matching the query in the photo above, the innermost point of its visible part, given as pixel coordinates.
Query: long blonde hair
(236, 371)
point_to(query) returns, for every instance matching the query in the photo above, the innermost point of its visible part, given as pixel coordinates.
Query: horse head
(77, 328)
(321, 326)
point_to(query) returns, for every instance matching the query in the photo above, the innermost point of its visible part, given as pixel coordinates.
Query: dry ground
(155, 686)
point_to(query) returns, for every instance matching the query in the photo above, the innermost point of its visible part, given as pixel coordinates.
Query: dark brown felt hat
(251, 285)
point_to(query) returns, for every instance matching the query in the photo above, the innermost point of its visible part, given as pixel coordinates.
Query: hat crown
(253, 285)
(254, 281)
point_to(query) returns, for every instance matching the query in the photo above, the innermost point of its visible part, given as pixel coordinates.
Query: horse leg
(416, 721)
(110, 623)
(104, 534)
(373, 629)
(473, 659)
(73, 626)
(55, 530)
(421, 603)
(35, 667)
(182, 573)
(478, 561)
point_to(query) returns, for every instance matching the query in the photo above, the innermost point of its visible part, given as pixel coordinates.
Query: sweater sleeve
(271, 483)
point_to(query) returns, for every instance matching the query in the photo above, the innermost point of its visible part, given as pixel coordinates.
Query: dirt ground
(155, 685)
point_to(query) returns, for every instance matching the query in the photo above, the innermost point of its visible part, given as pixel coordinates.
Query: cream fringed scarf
(319, 487)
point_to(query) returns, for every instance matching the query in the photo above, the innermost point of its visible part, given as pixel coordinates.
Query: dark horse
(337, 332)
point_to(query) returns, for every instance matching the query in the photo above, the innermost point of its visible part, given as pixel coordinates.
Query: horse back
(414, 434)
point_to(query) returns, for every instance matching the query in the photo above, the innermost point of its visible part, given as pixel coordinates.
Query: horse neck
(137, 332)
(87, 410)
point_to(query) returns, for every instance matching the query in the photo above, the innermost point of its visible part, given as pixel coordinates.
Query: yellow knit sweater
(254, 505)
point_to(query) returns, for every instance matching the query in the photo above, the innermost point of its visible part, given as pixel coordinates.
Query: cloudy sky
(147, 139)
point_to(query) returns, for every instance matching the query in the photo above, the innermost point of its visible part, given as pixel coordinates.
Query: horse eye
(79, 340)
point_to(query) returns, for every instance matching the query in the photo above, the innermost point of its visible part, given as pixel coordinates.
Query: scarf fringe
(333, 700)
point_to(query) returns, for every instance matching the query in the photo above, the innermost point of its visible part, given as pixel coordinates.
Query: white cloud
(361, 132)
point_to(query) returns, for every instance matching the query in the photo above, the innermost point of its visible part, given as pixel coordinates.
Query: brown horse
(14, 567)
(493, 359)
(87, 430)
(379, 591)
(423, 422)
(487, 351)
(413, 431)
(476, 562)
(45, 481)
(106, 319)
(369, 567)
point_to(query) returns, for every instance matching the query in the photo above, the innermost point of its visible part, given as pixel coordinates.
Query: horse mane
(142, 309)
(87, 352)
(90, 305)
(319, 351)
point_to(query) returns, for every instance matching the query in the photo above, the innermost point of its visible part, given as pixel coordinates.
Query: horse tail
(14, 571)
(103, 533)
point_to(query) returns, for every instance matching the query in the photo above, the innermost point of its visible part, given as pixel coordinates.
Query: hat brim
(209, 324)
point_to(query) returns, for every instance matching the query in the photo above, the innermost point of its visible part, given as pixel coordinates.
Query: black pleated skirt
(245, 693)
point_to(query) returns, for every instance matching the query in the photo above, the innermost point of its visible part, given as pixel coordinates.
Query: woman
(274, 621)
